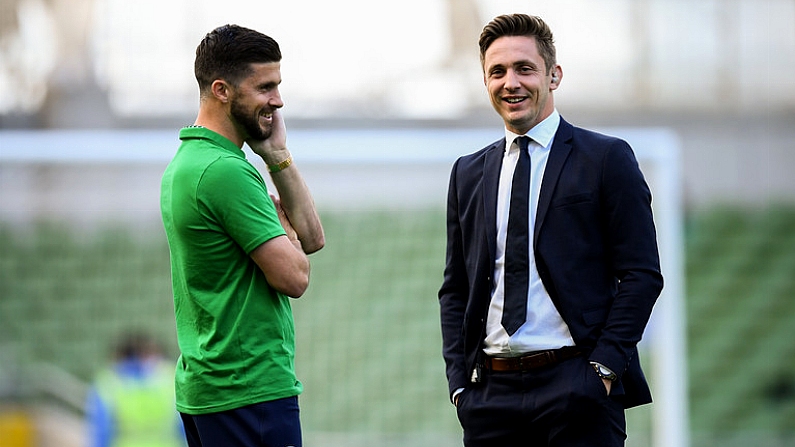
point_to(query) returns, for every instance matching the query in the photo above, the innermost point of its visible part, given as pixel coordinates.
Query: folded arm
(284, 264)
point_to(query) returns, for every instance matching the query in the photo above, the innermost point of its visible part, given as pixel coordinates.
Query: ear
(221, 90)
(556, 75)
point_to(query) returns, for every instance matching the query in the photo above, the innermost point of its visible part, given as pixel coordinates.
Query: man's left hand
(608, 385)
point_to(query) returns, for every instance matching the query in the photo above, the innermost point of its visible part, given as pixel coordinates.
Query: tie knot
(523, 142)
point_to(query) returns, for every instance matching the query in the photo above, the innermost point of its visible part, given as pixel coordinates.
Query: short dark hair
(227, 52)
(520, 25)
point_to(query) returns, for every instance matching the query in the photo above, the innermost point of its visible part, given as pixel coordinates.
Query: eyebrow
(269, 85)
(519, 63)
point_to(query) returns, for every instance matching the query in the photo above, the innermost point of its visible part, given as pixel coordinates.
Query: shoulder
(597, 144)
(228, 167)
(224, 161)
(593, 138)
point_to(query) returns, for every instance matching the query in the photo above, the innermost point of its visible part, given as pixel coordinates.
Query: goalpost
(658, 152)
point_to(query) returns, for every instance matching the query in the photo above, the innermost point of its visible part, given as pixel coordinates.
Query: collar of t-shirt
(203, 133)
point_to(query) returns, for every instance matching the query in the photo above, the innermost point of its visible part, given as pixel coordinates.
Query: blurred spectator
(132, 401)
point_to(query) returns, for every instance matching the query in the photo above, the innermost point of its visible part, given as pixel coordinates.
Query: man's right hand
(273, 150)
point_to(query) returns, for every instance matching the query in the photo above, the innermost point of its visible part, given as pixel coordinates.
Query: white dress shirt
(544, 328)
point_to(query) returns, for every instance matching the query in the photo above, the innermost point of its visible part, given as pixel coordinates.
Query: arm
(283, 261)
(296, 200)
(631, 244)
(284, 264)
(453, 295)
(234, 197)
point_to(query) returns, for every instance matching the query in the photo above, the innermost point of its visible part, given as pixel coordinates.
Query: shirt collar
(203, 133)
(542, 133)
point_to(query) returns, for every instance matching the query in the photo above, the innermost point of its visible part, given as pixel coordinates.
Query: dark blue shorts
(274, 423)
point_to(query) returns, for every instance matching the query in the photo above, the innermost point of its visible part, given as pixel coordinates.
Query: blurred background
(381, 97)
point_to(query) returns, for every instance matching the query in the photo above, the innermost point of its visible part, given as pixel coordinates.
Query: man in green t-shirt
(237, 254)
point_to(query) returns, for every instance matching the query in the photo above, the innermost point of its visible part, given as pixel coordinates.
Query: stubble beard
(249, 121)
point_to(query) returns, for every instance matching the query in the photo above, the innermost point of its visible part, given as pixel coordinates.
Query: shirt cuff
(455, 394)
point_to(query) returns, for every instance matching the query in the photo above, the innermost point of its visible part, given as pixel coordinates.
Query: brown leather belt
(533, 360)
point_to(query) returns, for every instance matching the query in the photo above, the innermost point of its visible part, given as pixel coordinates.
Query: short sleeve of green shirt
(232, 194)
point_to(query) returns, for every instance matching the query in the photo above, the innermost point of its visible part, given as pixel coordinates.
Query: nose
(511, 80)
(275, 100)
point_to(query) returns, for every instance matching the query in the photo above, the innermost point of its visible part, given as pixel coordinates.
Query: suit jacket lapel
(491, 179)
(558, 153)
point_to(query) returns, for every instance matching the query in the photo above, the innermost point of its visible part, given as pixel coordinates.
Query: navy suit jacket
(595, 248)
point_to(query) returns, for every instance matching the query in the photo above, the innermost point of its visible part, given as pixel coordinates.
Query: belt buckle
(537, 360)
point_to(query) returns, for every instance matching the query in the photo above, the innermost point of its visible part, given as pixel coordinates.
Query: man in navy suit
(552, 266)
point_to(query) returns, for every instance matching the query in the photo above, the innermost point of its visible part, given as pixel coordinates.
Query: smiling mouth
(514, 100)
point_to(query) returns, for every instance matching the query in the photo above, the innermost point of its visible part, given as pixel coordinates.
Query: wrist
(271, 155)
(280, 165)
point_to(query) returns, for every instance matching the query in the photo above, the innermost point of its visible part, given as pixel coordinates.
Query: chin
(518, 124)
(260, 134)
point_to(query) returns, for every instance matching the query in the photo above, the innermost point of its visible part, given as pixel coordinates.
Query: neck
(218, 121)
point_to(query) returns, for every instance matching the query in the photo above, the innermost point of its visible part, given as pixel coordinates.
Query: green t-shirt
(235, 332)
